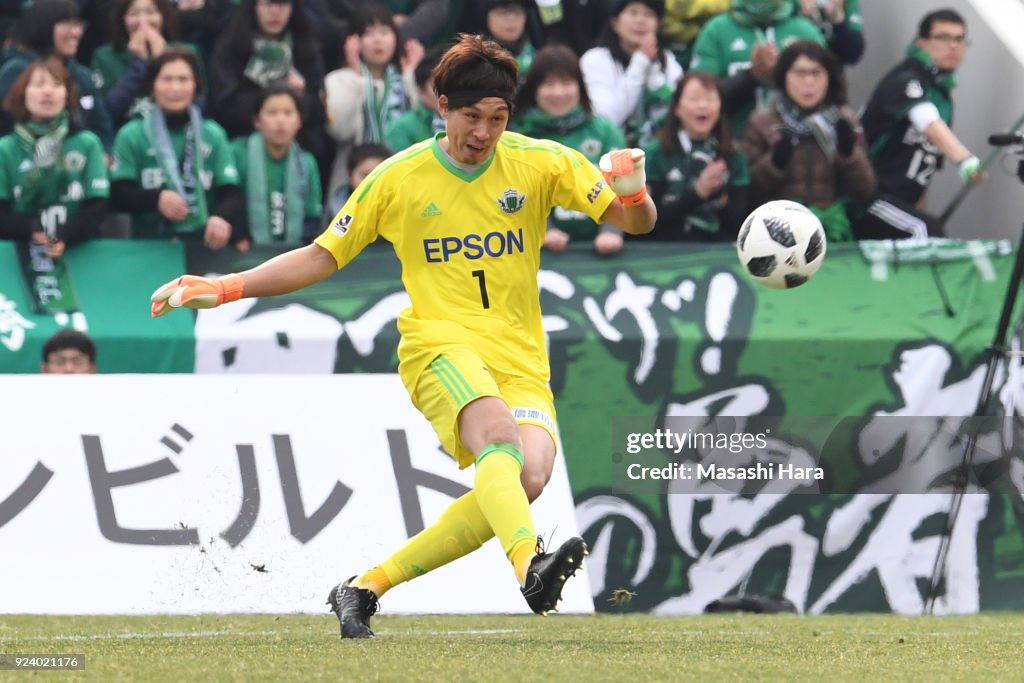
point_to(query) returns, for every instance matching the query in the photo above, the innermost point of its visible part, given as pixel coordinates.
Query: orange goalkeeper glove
(623, 170)
(192, 291)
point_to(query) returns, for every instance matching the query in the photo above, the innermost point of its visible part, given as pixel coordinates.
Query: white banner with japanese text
(181, 494)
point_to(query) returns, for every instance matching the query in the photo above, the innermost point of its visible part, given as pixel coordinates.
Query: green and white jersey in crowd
(136, 159)
(678, 171)
(81, 174)
(277, 180)
(724, 47)
(591, 135)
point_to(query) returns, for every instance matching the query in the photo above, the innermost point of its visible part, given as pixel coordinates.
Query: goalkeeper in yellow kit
(466, 212)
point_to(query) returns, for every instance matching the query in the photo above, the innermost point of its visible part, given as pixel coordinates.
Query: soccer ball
(781, 244)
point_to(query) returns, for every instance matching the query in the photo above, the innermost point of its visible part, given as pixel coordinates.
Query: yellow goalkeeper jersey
(469, 244)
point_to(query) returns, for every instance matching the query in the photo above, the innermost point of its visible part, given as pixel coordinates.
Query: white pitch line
(130, 636)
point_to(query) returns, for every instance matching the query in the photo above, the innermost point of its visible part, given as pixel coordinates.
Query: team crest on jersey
(914, 89)
(74, 161)
(340, 226)
(511, 201)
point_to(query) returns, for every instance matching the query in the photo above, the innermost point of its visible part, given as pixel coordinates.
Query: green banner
(113, 281)
(667, 330)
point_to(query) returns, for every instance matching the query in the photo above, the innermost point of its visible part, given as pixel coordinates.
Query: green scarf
(269, 223)
(185, 176)
(42, 142)
(538, 122)
(378, 111)
(819, 124)
(695, 156)
(270, 62)
(944, 79)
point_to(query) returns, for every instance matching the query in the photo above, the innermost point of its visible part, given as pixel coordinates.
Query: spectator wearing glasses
(908, 126)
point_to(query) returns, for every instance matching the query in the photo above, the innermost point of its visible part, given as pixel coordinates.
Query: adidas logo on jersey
(738, 45)
(431, 210)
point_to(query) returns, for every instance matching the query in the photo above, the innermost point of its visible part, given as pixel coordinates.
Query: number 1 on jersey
(479, 275)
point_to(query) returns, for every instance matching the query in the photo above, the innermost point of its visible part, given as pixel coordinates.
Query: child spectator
(376, 87)
(280, 179)
(365, 157)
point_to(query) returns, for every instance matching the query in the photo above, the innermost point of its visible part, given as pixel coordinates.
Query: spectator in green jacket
(741, 48)
(552, 103)
(697, 175)
(280, 179)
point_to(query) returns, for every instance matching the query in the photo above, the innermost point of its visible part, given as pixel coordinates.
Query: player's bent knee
(533, 483)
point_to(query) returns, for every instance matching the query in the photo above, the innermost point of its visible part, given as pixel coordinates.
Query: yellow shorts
(458, 376)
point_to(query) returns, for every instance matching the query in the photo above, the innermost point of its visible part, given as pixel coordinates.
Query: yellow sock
(376, 581)
(504, 503)
(461, 529)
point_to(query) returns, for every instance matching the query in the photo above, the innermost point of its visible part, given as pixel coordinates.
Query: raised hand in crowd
(834, 11)
(649, 45)
(846, 137)
(413, 55)
(763, 59)
(186, 5)
(296, 83)
(352, 46)
(711, 179)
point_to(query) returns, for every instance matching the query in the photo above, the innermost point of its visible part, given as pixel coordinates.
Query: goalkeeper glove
(623, 170)
(192, 291)
(968, 168)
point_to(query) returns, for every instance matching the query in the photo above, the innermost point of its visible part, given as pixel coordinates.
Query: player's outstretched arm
(634, 212)
(282, 274)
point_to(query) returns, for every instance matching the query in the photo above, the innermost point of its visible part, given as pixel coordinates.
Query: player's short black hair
(924, 29)
(474, 68)
(836, 93)
(70, 339)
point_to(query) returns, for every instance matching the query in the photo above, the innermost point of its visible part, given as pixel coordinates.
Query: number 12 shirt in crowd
(469, 244)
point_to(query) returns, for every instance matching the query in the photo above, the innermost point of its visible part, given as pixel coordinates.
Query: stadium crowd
(233, 122)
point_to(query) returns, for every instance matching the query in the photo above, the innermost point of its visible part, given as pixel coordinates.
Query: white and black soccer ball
(781, 244)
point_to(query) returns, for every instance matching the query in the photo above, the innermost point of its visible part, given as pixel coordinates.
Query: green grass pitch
(559, 648)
